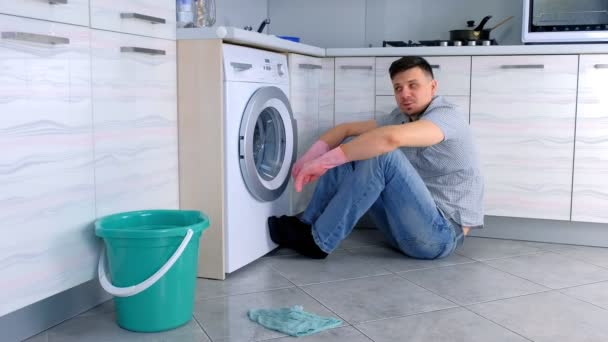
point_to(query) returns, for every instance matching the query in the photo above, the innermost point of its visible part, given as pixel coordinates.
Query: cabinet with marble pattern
(590, 188)
(134, 92)
(311, 98)
(453, 75)
(70, 12)
(47, 201)
(354, 89)
(523, 116)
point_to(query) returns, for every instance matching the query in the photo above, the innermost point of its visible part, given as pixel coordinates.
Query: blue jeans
(398, 201)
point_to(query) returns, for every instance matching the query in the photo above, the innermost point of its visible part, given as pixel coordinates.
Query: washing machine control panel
(246, 64)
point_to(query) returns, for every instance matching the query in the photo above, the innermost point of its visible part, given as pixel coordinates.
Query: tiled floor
(491, 290)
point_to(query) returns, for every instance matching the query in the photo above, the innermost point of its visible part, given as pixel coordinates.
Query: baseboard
(35, 318)
(575, 233)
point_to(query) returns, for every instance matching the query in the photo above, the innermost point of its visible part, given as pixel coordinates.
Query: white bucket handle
(135, 289)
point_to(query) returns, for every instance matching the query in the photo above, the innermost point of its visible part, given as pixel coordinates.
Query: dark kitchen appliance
(409, 43)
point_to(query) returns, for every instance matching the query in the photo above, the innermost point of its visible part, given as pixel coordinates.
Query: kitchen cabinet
(152, 18)
(70, 12)
(134, 89)
(354, 89)
(523, 116)
(453, 75)
(590, 188)
(311, 98)
(46, 171)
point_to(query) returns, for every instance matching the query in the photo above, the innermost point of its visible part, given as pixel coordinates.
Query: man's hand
(316, 168)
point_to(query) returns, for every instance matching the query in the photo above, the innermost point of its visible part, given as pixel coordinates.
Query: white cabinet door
(46, 165)
(590, 189)
(67, 11)
(354, 89)
(135, 119)
(522, 114)
(153, 18)
(326, 96)
(453, 75)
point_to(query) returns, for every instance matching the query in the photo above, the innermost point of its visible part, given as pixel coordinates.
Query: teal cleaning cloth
(293, 321)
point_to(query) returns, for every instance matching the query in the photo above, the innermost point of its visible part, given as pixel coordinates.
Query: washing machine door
(267, 143)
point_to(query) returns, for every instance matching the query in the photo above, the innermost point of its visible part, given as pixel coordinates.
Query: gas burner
(409, 43)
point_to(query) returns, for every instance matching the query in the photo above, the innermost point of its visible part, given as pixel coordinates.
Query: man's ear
(433, 87)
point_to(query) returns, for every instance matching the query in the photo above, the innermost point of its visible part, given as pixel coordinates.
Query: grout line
(498, 324)
(582, 300)
(201, 326)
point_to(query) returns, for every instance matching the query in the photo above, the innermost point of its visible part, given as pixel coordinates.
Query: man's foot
(290, 232)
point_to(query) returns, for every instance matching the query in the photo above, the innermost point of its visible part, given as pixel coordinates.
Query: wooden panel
(354, 96)
(453, 75)
(522, 114)
(106, 15)
(201, 136)
(135, 120)
(46, 170)
(326, 96)
(73, 12)
(590, 189)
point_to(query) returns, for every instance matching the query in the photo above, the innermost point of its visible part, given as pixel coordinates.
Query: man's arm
(336, 135)
(385, 139)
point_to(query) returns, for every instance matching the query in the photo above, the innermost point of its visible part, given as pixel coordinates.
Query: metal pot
(474, 34)
(478, 33)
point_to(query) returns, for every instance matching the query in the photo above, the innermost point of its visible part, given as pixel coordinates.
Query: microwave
(564, 21)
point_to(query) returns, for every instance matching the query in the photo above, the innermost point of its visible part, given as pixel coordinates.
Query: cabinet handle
(35, 38)
(435, 66)
(142, 50)
(241, 66)
(601, 66)
(522, 66)
(356, 67)
(309, 66)
(150, 19)
(57, 2)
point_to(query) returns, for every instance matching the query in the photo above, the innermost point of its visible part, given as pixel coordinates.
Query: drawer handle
(35, 38)
(241, 66)
(522, 66)
(356, 67)
(309, 66)
(57, 2)
(601, 66)
(150, 19)
(435, 66)
(142, 50)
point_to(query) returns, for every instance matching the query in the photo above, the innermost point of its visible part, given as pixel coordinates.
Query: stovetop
(409, 43)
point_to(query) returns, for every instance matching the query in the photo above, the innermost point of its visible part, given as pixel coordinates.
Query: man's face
(414, 90)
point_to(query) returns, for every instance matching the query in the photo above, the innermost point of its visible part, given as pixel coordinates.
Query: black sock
(290, 232)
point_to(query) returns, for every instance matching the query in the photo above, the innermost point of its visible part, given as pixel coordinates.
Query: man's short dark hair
(409, 62)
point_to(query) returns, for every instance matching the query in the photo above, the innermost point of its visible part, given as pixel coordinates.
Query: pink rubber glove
(316, 168)
(319, 148)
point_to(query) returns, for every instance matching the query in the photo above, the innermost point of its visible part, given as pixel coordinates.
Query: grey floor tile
(397, 262)
(255, 277)
(42, 337)
(103, 327)
(551, 270)
(593, 255)
(225, 318)
(364, 299)
(448, 325)
(337, 266)
(361, 237)
(471, 283)
(484, 248)
(596, 294)
(346, 334)
(548, 317)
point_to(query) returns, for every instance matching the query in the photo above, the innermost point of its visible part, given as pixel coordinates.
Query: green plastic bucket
(152, 257)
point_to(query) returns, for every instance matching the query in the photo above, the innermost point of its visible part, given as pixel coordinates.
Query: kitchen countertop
(270, 42)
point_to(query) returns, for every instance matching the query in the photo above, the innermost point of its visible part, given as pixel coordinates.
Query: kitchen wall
(361, 23)
(240, 13)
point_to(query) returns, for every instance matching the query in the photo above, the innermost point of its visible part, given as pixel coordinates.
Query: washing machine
(260, 147)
